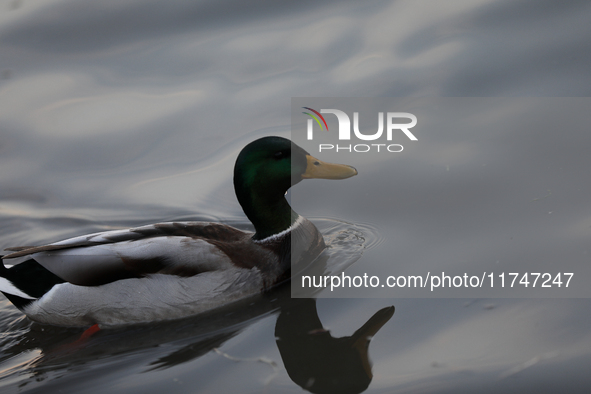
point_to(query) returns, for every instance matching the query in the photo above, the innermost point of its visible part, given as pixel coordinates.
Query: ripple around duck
(339, 232)
(345, 243)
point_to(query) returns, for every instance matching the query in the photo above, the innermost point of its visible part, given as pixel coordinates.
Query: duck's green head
(265, 169)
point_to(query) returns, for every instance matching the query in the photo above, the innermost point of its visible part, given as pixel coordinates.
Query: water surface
(118, 114)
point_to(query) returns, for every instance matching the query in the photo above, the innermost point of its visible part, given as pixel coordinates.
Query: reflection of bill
(318, 362)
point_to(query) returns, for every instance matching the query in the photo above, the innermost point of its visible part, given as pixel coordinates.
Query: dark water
(121, 113)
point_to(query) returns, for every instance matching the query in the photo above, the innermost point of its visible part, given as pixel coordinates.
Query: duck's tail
(18, 297)
(26, 282)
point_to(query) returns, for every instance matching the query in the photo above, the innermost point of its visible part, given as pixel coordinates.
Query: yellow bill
(321, 170)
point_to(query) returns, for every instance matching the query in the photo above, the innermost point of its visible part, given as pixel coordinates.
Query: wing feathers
(176, 248)
(205, 230)
(18, 248)
(104, 263)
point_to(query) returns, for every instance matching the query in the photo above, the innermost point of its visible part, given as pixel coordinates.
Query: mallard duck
(170, 270)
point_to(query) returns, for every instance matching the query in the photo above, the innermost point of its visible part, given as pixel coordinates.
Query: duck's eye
(316, 163)
(280, 155)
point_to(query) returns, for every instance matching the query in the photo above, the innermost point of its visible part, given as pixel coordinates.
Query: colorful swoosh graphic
(315, 118)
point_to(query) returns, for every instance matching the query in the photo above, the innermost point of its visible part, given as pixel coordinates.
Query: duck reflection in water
(318, 362)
